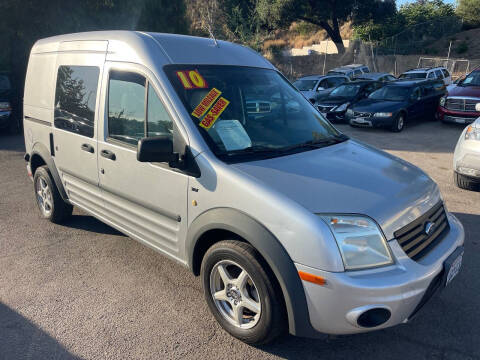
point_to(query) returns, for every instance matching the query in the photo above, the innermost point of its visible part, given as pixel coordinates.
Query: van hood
(350, 178)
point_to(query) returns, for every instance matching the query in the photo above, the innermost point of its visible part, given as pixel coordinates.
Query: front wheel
(399, 123)
(241, 294)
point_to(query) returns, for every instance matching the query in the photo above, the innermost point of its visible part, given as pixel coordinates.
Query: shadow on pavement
(441, 138)
(91, 224)
(21, 339)
(11, 142)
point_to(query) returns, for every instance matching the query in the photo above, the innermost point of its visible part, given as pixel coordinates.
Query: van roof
(123, 45)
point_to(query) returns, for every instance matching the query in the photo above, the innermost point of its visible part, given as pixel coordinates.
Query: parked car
(377, 76)
(396, 103)
(314, 87)
(466, 159)
(290, 223)
(429, 74)
(7, 119)
(351, 71)
(458, 106)
(335, 105)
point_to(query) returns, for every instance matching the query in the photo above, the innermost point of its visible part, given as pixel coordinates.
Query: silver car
(203, 151)
(315, 87)
(466, 159)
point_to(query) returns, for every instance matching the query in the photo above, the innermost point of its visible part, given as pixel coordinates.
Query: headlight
(383, 114)
(443, 99)
(473, 133)
(342, 107)
(360, 241)
(5, 106)
(350, 112)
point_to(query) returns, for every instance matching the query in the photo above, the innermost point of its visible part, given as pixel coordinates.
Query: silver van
(203, 151)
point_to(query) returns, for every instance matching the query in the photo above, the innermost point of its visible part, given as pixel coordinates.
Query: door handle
(108, 154)
(88, 148)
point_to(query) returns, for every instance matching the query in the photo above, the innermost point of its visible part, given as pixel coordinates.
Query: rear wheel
(241, 294)
(399, 123)
(49, 201)
(466, 183)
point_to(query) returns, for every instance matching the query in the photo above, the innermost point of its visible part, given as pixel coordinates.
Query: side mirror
(156, 149)
(477, 107)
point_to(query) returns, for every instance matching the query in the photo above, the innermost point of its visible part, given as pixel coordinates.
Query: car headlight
(342, 107)
(443, 100)
(350, 112)
(383, 114)
(473, 133)
(360, 240)
(5, 106)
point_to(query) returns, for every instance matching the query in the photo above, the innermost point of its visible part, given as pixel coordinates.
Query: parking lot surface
(83, 290)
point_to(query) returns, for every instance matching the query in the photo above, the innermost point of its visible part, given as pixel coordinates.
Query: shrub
(462, 47)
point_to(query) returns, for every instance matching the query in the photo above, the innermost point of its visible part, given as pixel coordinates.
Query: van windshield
(250, 112)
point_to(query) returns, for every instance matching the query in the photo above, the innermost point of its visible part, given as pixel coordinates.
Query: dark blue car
(396, 103)
(7, 120)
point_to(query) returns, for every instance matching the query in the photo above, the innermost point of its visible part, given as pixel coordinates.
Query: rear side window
(431, 75)
(75, 99)
(439, 74)
(134, 109)
(334, 82)
(445, 73)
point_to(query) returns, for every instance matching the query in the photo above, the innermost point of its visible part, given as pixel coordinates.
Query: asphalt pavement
(82, 290)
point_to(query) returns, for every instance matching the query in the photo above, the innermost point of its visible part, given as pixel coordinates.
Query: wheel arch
(213, 225)
(40, 156)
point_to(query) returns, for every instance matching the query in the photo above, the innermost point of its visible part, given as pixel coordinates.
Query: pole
(325, 58)
(449, 48)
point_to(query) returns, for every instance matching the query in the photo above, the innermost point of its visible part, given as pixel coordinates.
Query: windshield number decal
(214, 113)
(191, 79)
(206, 102)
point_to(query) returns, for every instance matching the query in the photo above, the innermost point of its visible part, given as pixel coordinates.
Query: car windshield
(247, 112)
(390, 93)
(346, 90)
(305, 85)
(414, 75)
(4, 82)
(472, 79)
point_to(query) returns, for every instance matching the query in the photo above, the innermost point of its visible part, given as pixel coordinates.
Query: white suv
(428, 73)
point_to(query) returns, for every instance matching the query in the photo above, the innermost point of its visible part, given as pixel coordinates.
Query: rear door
(75, 117)
(148, 201)
(415, 108)
(429, 101)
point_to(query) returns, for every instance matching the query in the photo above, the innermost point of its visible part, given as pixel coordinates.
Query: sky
(401, 2)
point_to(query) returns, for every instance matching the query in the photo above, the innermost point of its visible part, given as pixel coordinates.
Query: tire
(49, 201)
(399, 123)
(464, 182)
(258, 324)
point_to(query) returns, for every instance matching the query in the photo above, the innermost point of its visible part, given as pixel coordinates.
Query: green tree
(424, 11)
(328, 14)
(469, 11)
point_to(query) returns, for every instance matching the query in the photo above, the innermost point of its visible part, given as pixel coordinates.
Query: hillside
(465, 44)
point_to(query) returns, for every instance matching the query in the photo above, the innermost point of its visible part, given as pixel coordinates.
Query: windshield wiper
(256, 149)
(316, 144)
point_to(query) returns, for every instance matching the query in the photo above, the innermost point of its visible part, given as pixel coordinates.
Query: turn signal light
(312, 278)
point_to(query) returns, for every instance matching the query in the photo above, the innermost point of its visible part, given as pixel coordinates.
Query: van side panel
(38, 99)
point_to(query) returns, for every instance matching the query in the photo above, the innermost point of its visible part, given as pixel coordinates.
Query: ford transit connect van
(203, 151)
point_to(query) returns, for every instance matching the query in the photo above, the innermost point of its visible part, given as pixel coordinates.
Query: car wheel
(242, 295)
(399, 123)
(49, 201)
(463, 182)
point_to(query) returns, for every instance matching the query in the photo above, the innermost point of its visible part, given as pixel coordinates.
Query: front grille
(413, 237)
(455, 104)
(258, 107)
(361, 114)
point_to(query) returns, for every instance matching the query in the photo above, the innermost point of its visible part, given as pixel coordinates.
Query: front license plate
(459, 121)
(360, 120)
(452, 266)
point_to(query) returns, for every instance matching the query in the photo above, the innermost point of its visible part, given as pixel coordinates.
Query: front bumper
(335, 307)
(458, 117)
(371, 122)
(466, 159)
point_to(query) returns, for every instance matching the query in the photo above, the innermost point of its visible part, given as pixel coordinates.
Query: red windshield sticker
(206, 102)
(212, 116)
(191, 79)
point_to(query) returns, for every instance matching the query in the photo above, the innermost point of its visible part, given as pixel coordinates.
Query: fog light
(374, 317)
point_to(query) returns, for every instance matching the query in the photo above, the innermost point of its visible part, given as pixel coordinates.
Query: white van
(203, 151)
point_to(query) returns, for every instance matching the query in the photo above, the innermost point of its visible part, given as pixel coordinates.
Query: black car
(335, 105)
(7, 120)
(398, 102)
